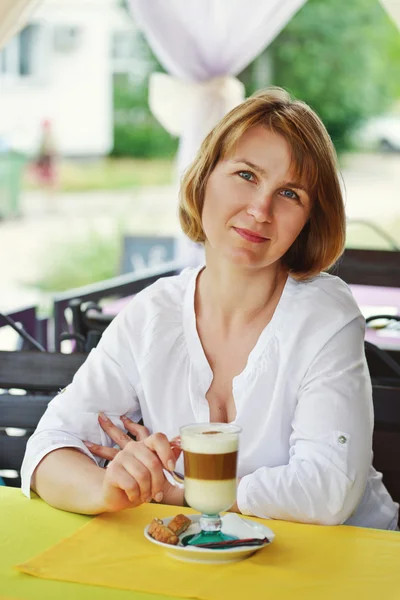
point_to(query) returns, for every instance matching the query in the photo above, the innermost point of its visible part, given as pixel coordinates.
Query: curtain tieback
(174, 101)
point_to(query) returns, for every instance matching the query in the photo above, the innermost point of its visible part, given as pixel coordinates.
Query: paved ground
(372, 184)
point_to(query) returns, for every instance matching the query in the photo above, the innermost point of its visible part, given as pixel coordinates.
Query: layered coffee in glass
(210, 452)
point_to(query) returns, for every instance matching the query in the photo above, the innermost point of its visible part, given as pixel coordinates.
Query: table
(22, 537)
(365, 561)
(376, 296)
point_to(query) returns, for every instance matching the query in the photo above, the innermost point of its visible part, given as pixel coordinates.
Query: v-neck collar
(195, 348)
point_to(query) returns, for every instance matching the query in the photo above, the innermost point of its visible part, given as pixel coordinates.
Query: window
(66, 38)
(25, 55)
(128, 57)
(123, 45)
(28, 40)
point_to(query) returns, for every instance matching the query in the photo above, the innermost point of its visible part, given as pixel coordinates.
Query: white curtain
(14, 14)
(393, 8)
(203, 44)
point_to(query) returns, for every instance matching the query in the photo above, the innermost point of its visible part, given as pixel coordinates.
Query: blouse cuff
(242, 496)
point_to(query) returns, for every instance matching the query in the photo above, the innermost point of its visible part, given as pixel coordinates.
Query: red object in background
(44, 166)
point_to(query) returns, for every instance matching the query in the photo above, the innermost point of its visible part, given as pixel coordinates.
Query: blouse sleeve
(107, 382)
(330, 444)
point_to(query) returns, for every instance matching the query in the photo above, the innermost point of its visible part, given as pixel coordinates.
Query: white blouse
(303, 400)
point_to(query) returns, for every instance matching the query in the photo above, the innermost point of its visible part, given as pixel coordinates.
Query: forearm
(69, 480)
(310, 493)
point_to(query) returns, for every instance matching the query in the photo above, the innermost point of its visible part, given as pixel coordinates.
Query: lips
(251, 236)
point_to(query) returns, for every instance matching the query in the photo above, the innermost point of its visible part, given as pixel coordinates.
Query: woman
(260, 336)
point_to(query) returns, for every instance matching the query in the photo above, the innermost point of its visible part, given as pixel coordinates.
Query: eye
(290, 194)
(247, 175)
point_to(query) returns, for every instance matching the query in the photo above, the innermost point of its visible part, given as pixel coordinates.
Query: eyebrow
(296, 185)
(293, 184)
(251, 165)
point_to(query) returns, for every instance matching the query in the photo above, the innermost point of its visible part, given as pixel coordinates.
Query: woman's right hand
(135, 475)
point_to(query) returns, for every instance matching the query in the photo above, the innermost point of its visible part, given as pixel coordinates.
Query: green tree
(343, 58)
(136, 131)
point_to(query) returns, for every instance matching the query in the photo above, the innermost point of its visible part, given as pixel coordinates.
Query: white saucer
(205, 555)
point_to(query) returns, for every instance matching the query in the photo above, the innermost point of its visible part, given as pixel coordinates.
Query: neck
(235, 296)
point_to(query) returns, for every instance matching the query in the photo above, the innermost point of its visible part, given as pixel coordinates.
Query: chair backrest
(383, 365)
(38, 371)
(40, 376)
(369, 267)
(22, 413)
(386, 441)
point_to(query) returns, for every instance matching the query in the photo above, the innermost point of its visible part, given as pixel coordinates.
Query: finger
(176, 441)
(155, 468)
(102, 451)
(139, 431)
(139, 472)
(162, 447)
(176, 447)
(176, 452)
(122, 479)
(115, 433)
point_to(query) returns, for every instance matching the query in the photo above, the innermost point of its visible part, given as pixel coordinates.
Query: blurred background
(89, 175)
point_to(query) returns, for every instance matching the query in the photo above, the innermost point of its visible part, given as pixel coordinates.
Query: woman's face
(254, 208)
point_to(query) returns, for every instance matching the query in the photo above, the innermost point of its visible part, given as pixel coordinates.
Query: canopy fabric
(14, 14)
(203, 44)
(393, 9)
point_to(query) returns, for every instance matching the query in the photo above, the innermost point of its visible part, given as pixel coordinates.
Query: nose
(260, 207)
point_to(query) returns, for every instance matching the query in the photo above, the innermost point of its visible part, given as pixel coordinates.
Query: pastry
(161, 533)
(179, 524)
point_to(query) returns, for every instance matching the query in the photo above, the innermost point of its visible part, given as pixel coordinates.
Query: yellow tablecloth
(304, 562)
(28, 527)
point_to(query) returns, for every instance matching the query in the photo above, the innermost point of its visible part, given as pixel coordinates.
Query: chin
(244, 257)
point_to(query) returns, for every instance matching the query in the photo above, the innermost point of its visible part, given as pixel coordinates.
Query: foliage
(136, 132)
(92, 258)
(342, 58)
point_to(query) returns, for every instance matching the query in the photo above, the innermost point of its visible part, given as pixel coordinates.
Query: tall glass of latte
(210, 453)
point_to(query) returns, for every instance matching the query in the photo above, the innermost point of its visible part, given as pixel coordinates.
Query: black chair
(383, 365)
(29, 381)
(388, 320)
(386, 440)
(87, 324)
(369, 267)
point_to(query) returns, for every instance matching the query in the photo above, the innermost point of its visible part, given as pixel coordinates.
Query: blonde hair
(314, 161)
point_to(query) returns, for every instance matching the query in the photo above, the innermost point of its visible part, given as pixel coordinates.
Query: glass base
(210, 532)
(207, 537)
